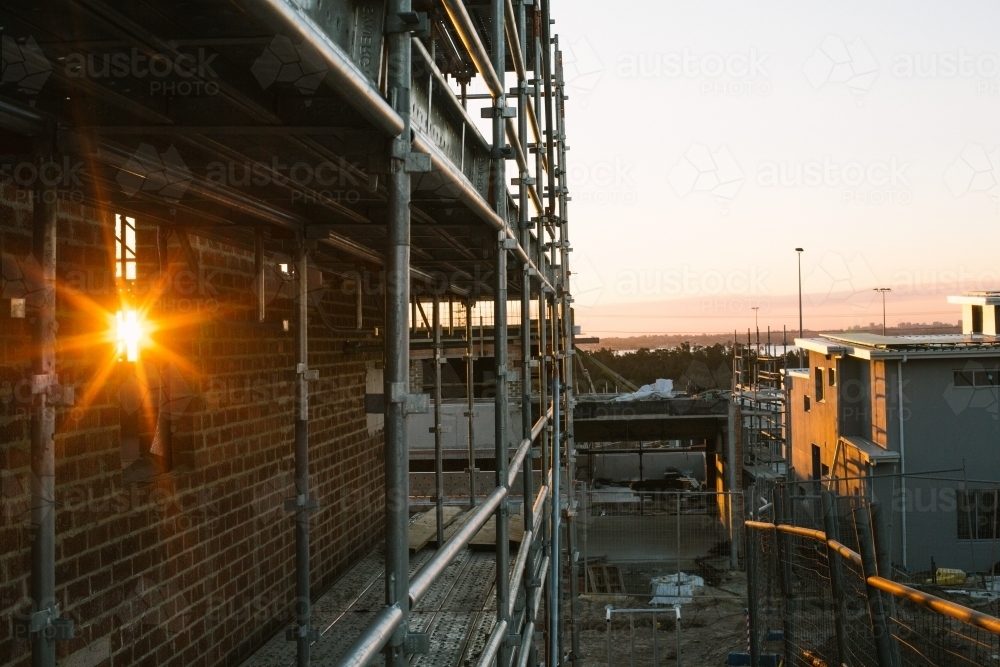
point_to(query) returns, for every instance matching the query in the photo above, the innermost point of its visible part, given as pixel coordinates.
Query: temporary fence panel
(629, 538)
(644, 637)
(812, 599)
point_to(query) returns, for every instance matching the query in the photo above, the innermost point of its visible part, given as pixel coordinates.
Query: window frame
(976, 378)
(962, 515)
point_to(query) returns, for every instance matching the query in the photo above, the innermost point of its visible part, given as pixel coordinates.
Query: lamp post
(883, 290)
(799, 255)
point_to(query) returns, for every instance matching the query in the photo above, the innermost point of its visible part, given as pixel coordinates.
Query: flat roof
(976, 299)
(872, 346)
(872, 451)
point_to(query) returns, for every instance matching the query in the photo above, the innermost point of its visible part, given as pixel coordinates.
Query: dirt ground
(712, 625)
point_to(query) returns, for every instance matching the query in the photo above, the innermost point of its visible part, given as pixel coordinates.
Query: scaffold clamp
(46, 622)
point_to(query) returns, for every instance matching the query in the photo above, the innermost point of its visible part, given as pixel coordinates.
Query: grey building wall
(945, 428)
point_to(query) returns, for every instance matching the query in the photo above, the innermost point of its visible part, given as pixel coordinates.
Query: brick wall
(194, 566)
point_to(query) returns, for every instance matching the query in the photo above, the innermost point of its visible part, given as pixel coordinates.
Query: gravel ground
(712, 625)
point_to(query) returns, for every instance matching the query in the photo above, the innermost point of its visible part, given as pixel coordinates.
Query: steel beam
(344, 75)
(491, 71)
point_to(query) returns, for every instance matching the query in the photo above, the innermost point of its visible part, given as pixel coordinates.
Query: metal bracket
(498, 112)
(41, 383)
(525, 181)
(418, 163)
(417, 643)
(415, 22)
(18, 309)
(505, 152)
(509, 244)
(48, 384)
(301, 504)
(302, 369)
(47, 623)
(292, 634)
(417, 404)
(528, 90)
(535, 452)
(512, 638)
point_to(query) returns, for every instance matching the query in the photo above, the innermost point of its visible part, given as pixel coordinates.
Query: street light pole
(799, 254)
(883, 290)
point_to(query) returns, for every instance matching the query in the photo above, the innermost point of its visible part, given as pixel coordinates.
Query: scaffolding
(760, 399)
(437, 204)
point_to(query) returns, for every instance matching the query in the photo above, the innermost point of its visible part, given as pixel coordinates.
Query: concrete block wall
(193, 566)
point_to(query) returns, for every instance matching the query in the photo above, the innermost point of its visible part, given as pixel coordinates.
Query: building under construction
(223, 226)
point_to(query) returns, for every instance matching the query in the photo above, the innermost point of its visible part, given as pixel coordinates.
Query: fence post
(656, 649)
(880, 631)
(881, 544)
(631, 635)
(678, 544)
(677, 628)
(785, 575)
(750, 539)
(832, 529)
(734, 533)
(608, 618)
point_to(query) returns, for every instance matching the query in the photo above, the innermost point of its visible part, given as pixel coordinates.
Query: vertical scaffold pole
(470, 355)
(438, 453)
(397, 352)
(301, 505)
(527, 483)
(45, 209)
(501, 448)
(568, 352)
(555, 592)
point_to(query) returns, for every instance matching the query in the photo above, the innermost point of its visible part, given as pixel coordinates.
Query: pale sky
(709, 139)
